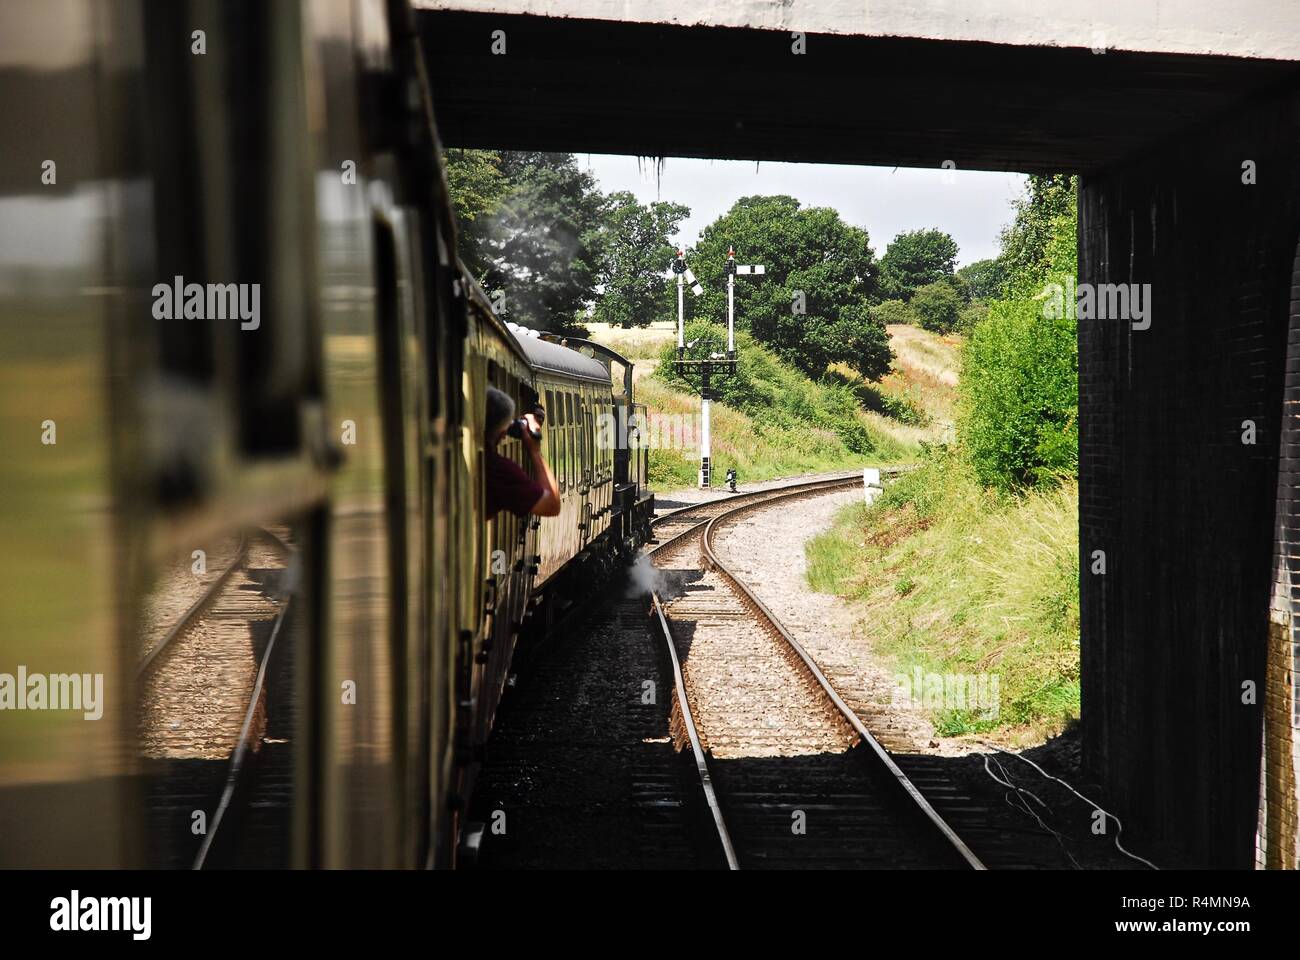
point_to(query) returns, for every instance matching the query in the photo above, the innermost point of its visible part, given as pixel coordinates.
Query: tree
(971, 316)
(635, 251)
(916, 258)
(477, 186)
(937, 305)
(1023, 261)
(476, 181)
(540, 247)
(811, 305)
(983, 278)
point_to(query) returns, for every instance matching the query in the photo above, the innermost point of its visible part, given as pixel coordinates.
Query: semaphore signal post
(717, 364)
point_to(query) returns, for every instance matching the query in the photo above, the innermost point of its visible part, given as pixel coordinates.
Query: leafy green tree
(477, 186)
(476, 181)
(937, 305)
(811, 306)
(635, 251)
(1023, 261)
(1019, 386)
(983, 279)
(971, 316)
(914, 259)
(540, 248)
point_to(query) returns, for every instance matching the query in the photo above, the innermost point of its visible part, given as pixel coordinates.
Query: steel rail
(751, 499)
(747, 495)
(881, 754)
(240, 753)
(697, 748)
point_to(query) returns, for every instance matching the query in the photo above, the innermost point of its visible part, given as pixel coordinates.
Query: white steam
(644, 577)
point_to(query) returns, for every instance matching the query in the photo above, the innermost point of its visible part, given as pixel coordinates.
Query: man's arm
(549, 504)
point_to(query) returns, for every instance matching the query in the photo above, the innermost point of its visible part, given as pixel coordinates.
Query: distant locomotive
(296, 161)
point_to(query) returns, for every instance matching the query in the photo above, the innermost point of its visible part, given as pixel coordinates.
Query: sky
(970, 205)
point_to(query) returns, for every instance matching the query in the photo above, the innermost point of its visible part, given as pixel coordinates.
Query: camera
(517, 427)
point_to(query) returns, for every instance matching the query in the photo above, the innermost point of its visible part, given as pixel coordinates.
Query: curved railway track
(790, 774)
(672, 525)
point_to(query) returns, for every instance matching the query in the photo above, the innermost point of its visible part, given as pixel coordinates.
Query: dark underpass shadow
(1030, 821)
(663, 504)
(586, 775)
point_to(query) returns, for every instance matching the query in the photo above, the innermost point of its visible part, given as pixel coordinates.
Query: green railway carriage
(322, 460)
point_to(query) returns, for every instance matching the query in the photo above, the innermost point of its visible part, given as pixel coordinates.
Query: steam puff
(644, 578)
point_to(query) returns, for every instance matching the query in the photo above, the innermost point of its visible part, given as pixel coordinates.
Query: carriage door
(585, 448)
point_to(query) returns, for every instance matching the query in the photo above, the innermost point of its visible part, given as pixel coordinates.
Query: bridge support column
(1181, 424)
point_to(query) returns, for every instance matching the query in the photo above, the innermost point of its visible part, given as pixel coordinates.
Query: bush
(1019, 396)
(904, 407)
(971, 316)
(937, 306)
(776, 395)
(1019, 391)
(895, 311)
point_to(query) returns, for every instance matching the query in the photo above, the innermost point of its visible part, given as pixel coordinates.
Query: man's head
(500, 411)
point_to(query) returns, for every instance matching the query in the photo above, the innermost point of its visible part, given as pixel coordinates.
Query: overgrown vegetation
(969, 565)
(960, 578)
(760, 448)
(772, 419)
(1019, 419)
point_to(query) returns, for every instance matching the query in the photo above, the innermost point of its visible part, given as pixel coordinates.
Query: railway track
(240, 781)
(580, 763)
(790, 774)
(675, 524)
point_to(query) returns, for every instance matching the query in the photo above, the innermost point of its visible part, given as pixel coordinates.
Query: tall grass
(961, 579)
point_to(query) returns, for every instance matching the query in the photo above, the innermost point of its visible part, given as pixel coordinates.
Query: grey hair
(500, 411)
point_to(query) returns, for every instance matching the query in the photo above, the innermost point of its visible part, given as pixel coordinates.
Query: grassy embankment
(956, 578)
(959, 579)
(791, 424)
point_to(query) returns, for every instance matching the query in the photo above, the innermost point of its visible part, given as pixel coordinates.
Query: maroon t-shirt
(508, 487)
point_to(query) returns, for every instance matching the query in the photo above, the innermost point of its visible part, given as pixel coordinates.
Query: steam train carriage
(283, 505)
(537, 568)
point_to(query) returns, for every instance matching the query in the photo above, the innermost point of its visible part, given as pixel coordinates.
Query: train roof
(553, 358)
(540, 354)
(606, 356)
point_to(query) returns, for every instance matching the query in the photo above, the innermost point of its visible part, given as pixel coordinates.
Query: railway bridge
(1182, 120)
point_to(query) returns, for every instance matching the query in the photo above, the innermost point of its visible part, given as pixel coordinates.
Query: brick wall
(1182, 507)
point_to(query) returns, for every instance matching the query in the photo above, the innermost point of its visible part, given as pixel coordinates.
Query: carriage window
(588, 448)
(561, 448)
(580, 446)
(573, 435)
(550, 431)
